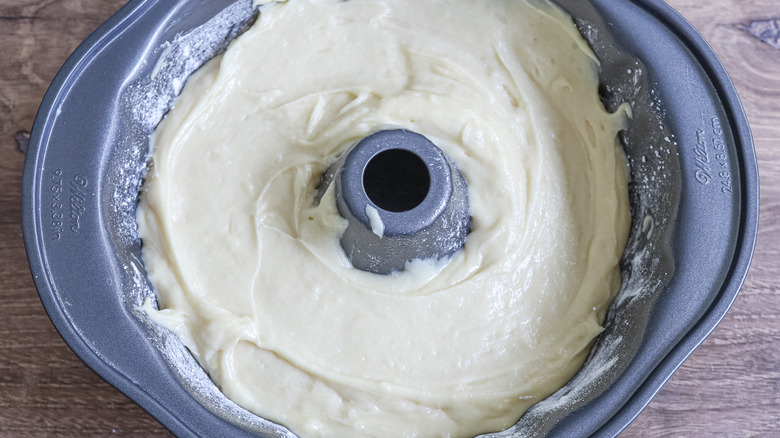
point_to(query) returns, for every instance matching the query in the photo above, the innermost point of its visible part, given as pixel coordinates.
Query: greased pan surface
(694, 196)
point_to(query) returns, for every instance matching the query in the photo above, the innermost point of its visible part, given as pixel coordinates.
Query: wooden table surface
(728, 387)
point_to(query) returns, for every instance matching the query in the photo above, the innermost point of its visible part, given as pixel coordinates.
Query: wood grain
(729, 386)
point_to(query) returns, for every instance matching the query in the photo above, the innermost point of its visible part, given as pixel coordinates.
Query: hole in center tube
(396, 180)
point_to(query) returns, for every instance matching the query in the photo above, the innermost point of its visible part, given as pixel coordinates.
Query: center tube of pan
(404, 200)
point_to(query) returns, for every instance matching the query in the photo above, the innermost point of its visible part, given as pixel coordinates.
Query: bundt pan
(693, 190)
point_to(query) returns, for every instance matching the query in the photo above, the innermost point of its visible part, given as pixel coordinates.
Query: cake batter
(250, 274)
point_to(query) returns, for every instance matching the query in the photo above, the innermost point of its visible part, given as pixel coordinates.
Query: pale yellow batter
(250, 273)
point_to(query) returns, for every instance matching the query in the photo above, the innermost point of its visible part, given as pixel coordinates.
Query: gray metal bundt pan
(694, 195)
